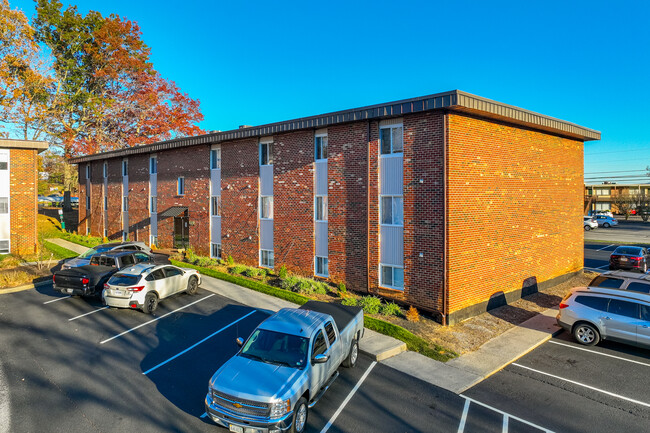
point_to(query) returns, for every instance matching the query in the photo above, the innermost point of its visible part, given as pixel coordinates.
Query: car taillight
(563, 305)
(54, 278)
(135, 289)
(85, 281)
(636, 258)
(106, 286)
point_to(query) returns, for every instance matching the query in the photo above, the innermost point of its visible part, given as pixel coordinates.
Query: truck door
(335, 353)
(319, 373)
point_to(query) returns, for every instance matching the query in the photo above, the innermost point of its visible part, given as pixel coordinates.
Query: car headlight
(280, 408)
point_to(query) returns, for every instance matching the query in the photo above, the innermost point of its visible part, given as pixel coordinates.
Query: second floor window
(153, 165)
(215, 159)
(321, 208)
(266, 153)
(4, 205)
(180, 188)
(105, 170)
(125, 167)
(216, 205)
(391, 140)
(266, 207)
(392, 210)
(321, 147)
(125, 204)
(154, 204)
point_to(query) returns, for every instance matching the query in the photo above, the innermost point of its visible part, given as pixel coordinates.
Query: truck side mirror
(321, 359)
(240, 341)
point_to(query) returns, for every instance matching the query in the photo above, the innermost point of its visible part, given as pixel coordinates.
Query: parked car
(602, 212)
(606, 221)
(84, 258)
(590, 223)
(285, 367)
(142, 286)
(629, 257)
(595, 314)
(622, 280)
(88, 280)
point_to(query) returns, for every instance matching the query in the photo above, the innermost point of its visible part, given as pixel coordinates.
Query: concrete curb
(24, 287)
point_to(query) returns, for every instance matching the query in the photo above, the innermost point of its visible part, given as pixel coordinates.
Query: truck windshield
(276, 348)
(95, 250)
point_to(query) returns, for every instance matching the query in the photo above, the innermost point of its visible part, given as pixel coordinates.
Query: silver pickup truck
(284, 368)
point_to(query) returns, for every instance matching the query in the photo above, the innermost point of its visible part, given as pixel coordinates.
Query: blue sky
(255, 62)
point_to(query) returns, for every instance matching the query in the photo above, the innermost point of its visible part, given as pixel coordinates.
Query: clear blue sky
(255, 62)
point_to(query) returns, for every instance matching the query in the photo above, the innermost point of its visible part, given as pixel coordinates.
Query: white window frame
(153, 165)
(125, 167)
(392, 151)
(381, 210)
(323, 201)
(153, 204)
(262, 207)
(215, 212)
(105, 169)
(381, 277)
(180, 185)
(216, 245)
(322, 137)
(269, 255)
(2, 206)
(269, 152)
(316, 258)
(215, 163)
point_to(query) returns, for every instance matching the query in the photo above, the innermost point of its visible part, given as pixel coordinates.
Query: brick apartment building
(449, 202)
(18, 193)
(608, 196)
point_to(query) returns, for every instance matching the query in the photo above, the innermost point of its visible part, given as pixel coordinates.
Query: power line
(619, 171)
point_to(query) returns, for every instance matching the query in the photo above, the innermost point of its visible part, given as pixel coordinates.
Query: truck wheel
(299, 416)
(192, 286)
(351, 359)
(150, 303)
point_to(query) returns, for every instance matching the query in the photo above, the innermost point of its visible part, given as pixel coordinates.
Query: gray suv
(622, 280)
(592, 314)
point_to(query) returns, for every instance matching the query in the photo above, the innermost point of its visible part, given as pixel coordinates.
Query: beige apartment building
(609, 196)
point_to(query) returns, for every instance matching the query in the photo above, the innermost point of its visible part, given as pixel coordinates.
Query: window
(105, 233)
(215, 205)
(125, 204)
(153, 240)
(392, 276)
(87, 202)
(142, 257)
(320, 345)
(153, 165)
(266, 207)
(127, 260)
(321, 147)
(105, 172)
(645, 310)
(4, 205)
(391, 140)
(321, 266)
(87, 171)
(392, 210)
(321, 208)
(331, 333)
(593, 302)
(155, 275)
(4, 245)
(215, 158)
(105, 203)
(4, 163)
(124, 236)
(639, 287)
(216, 251)
(172, 272)
(266, 258)
(610, 283)
(266, 153)
(154, 204)
(180, 188)
(623, 308)
(125, 167)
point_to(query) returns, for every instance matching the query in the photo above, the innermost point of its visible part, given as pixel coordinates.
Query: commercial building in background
(450, 202)
(18, 192)
(609, 196)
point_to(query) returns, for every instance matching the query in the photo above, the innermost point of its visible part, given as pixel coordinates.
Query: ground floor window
(266, 258)
(105, 233)
(124, 236)
(321, 266)
(391, 276)
(216, 251)
(153, 240)
(4, 246)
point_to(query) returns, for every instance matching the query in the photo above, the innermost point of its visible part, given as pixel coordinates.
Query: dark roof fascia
(453, 100)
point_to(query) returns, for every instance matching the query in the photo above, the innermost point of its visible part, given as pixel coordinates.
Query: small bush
(289, 283)
(370, 304)
(390, 309)
(282, 273)
(320, 287)
(239, 269)
(252, 272)
(342, 288)
(412, 314)
(262, 273)
(350, 301)
(231, 261)
(204, 262)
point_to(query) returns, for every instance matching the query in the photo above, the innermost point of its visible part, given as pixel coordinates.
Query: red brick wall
(240, 173)
(114, 211)
(293, 200)
(348, 204)
(515, 198)
(139, 225)
(96, 198)
(83, 212)
(23, 189)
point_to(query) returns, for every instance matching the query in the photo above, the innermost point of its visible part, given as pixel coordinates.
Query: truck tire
(150, 303)
(192, 286)
(300, 413)
(351, 360)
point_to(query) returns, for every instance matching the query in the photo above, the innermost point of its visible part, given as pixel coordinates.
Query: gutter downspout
(445, 201)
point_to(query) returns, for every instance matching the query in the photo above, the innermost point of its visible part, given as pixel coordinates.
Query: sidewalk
(79, 249)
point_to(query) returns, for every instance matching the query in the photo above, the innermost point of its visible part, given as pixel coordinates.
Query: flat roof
(11, 143)
(454, 100)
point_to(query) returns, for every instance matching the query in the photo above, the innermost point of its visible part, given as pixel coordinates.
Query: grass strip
(413, 342)
(59, 252)
(82, 240)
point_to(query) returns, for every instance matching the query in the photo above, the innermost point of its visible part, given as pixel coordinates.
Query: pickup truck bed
(342, 314)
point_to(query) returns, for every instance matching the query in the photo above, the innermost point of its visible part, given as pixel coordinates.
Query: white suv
(590, 223)
(142, 286)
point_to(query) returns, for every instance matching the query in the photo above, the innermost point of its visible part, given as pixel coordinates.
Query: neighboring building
(604, 196)
(18, 192)
(446, 202)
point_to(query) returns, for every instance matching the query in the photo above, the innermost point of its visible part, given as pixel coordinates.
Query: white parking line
(604, 248)
(585, 386)
(196, 344)
(57, 299)
(505, 414)
(151, 321)
(92, 312)
(347, 399)
(463, 419)
(598, 353)
(603, 267)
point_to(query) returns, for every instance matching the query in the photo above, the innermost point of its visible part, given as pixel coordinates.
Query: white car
(142, 286)
(590, 223)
